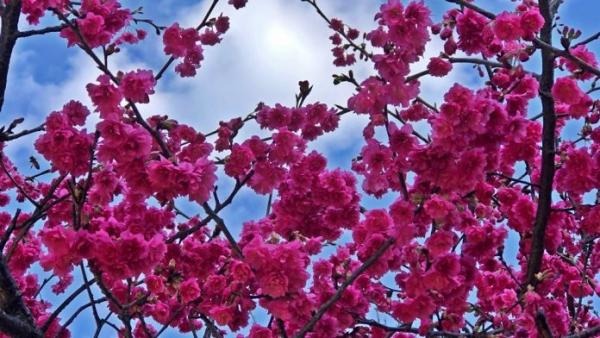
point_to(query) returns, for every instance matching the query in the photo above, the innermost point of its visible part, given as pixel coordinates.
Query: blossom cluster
(433, 256)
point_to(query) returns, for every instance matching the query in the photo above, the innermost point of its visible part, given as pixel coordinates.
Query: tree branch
(9, 137)
(65, 303)
(534, 262)
(338, 294)
(476, 8)
(77, 312)
(589, 333)
(42, 31)
(586, 41)
(10, 26)
(15, 317)
(542, 325)
(16, 327)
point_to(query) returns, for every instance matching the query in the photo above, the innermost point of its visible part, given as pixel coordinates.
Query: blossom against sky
(271, 46)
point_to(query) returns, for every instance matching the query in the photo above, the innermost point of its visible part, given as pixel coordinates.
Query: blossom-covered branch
(465, 214)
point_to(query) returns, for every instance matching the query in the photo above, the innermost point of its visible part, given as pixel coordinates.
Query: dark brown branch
(427, 104)
(41, 173)
(338, 294)
(544, 205)
(589, 333)
(554, 4)
(15, 317)
(44, 283)
(9, 137)
(211, 328)
(101, 325)
(588, 40)
(416, 76)
(90, 294)
(281, 327)
(477, 9)
(77, 312)
(476, 61)
(222, 227)
(542, 325)
(512, 179)
(220, 206)
(144, 326)
(11, 302)
(15, 327)
(65, 303)
(547, 46)
(448, 334)
(39, 212)
(374, 323)
(10, 26)
(42, 31)
(9, 231)
(588, 248)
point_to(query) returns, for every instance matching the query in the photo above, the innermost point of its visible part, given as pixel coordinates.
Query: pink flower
(507, 26)
(136, 144)
(189, 290)
(439, 67)
(58, 241)
(202, 180)
(260, 332)
(470, 28)
(274, 284)
(280, 269)
(183, 43)
(178, 41)
(76, 112)
(34, 9)
(586, 56)
(133, 250)
(64, 146)
(161, 312)
(239, 161)
(438, 208)
(578, 288)
(241, 271)
(99, 23)
(440, 242)
(565, 90)
(105, 97)
(238, 3)
(448, 265)
(223, 314)
(591, 221)
(137, 86)
(209, 37)
(155, 284)
(576, 176)
(531, 21)
(222, 24)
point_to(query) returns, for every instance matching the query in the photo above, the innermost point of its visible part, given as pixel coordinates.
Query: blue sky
(272, 45)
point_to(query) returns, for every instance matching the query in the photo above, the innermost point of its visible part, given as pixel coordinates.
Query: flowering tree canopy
(102, 215)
